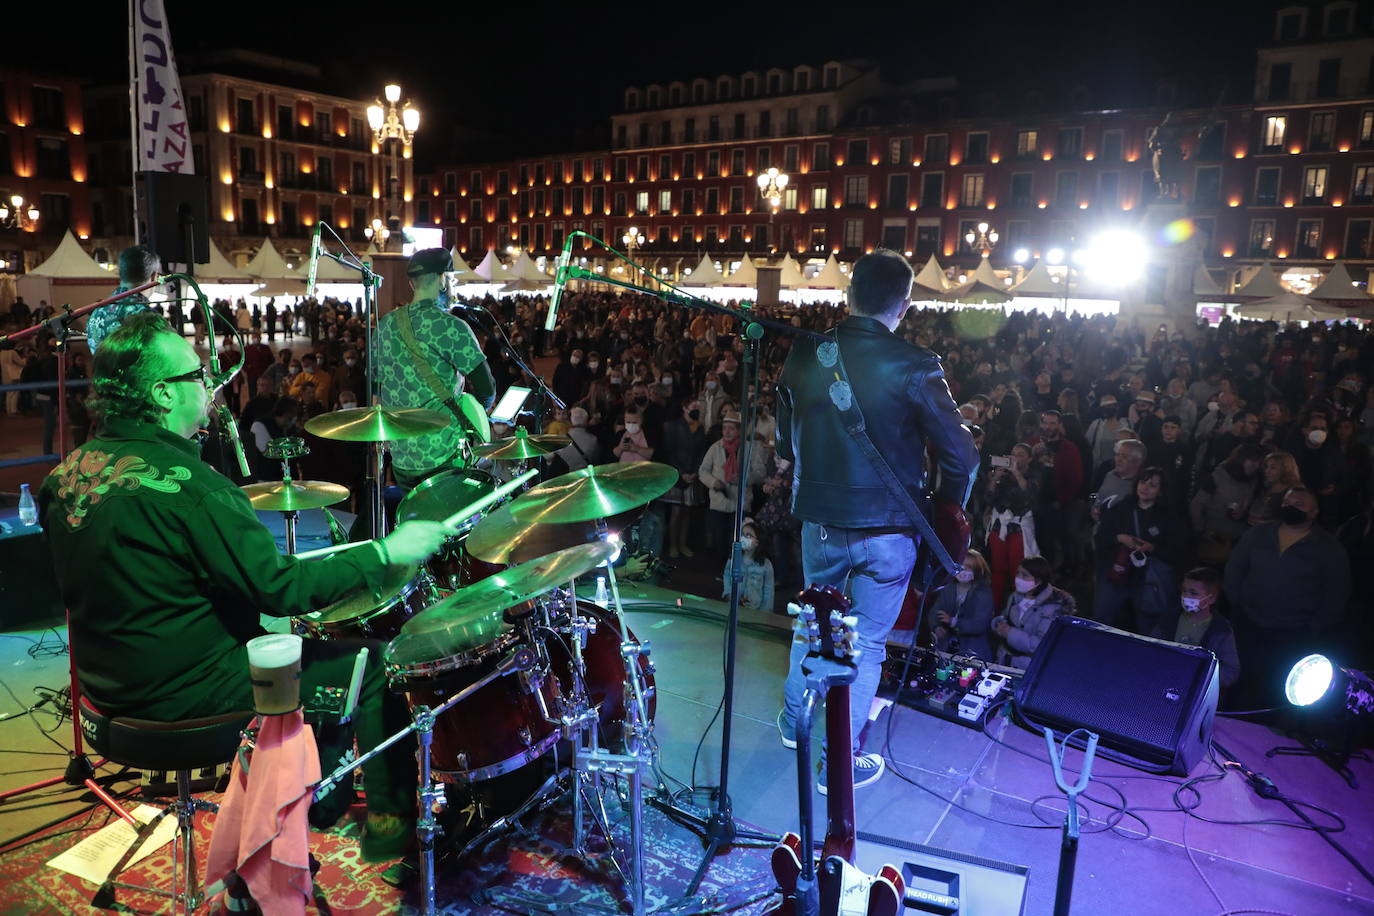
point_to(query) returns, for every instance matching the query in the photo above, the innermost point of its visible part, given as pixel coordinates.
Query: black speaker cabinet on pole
(173, 216)
(1151, 702)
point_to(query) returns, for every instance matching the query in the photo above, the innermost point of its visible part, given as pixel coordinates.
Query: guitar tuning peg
(793, 609)
(850, 621)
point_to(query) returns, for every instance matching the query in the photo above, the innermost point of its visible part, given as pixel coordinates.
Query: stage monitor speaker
(173, 211)
(1151, 702)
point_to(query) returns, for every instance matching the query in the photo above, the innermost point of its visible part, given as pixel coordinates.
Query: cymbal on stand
(596, 491)
(377, 423)
(295, 495)
(521, 446)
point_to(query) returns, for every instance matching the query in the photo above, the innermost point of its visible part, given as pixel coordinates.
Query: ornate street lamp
(19, 214)
(983, 240)
(772, 183)
(633, 239)
(394, 125)
(377, 231)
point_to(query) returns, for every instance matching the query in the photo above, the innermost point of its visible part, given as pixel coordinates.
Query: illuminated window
(1362, 188)
(820, 197)
(642, 202)
(899, 151)
(972, 195)
(1314, 184)
(1275, 126)
(1309, 238)
(1261, 237)
(789, 199)
(665, 201)
(856, 190)
(853, 233)
(1366, 129)
(1026, 143)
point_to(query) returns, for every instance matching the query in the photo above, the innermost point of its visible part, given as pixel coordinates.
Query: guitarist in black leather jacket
(855, 534)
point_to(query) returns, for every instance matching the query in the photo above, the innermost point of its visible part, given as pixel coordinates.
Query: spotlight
(1021, 255)
(1317, 683)
(1116, 257)
(1055, 256)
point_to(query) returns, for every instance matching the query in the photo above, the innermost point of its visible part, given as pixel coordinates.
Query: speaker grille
(1137, 694)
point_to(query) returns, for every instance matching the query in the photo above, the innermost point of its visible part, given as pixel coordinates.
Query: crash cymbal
(472, 615)
(596, 491)
(280, 496)
(502, 538)
(377, 424)
(520, 446)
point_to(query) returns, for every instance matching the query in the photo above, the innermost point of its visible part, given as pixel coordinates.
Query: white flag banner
(163, 134)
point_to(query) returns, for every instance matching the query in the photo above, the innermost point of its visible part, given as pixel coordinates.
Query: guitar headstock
(823, 612)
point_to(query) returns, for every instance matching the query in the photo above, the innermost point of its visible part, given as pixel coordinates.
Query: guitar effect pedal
(971, 707)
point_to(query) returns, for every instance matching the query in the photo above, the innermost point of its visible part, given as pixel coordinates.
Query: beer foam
(276, 650)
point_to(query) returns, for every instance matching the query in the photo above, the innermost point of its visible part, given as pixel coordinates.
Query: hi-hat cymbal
(377, 424)
(472, 614)
(502, 538)
(596, 491)
(520, 446)
(280, 496)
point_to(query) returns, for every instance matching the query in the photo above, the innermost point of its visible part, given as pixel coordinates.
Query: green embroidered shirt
(165, 567)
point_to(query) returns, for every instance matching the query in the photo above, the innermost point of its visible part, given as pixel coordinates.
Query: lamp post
(772, 182)
(633, 239)
(378, 231)
(19, 214)
(395, 124)
(982, 240)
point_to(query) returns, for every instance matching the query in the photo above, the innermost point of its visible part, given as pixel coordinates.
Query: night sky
(543, 69)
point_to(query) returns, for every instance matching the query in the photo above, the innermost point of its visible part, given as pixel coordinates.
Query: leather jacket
(906, 405)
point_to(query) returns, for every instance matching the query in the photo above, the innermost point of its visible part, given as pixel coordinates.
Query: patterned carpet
(531, 862)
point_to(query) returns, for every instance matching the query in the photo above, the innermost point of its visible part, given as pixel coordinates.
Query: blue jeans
(874, 571)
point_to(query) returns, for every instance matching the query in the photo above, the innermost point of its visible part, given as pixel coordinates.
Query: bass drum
(606, 687)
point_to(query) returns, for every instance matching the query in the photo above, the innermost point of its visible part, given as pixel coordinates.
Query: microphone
(560, 279)
(314, 261)
(231, 429)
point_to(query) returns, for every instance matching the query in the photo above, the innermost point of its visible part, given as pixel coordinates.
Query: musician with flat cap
(426, 357)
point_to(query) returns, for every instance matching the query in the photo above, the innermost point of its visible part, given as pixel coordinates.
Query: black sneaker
(868, 768)
(786, 732)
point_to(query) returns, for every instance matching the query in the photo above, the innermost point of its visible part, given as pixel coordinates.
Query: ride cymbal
(377, 424)
(596, 491)
(521, 446)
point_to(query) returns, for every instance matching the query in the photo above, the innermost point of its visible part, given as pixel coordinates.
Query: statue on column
(1165, 142)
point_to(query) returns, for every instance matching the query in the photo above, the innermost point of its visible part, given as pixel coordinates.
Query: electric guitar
(834, 887)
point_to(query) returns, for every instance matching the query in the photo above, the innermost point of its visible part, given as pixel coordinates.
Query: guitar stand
(1068, 850)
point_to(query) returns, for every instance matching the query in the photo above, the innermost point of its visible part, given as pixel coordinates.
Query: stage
(1162, 864)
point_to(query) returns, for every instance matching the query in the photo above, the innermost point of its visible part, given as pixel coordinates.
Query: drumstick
(461, 515)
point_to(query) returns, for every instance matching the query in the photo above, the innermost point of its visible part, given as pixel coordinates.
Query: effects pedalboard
(954, 687)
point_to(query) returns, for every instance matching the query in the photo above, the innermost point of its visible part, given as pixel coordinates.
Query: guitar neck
(839, 776)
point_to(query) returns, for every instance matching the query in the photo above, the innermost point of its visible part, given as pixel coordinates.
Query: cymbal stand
(431, 792)
(285, 449)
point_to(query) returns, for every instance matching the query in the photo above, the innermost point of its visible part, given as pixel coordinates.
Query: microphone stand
(79, 771)
(371, 281)
(719, 829)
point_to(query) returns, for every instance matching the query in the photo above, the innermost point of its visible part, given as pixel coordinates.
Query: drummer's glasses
(198, 374)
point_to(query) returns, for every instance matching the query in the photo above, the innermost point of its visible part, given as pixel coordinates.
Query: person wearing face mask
(722, 475)
(570, 378)
(1138, 546)
(1102, 432)
(350, 375)
(963, 613)
(1222, 503)
(1320, 464)
(634, 445)
(756, 591)
(425, 358)
(1028, 613)
(1197, 621)
(595, 369)
(712, 398)
(1288, 583)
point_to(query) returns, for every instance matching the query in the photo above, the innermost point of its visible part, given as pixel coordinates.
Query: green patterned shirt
(448, 345)
(106, 319)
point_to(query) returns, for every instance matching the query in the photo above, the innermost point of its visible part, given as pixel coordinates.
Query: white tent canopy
(1338, 287)
(70, 262)
(524, 269)
(830, 276)
(983, 288)
(1262, 285)
(1038, 282)
(932, 277)
(790, 276)
(268, 264)
(1203, 284)
(461, 272)
(1289, 306)
(704, 274)
(219, 270)
(745, 275)
(492, 270)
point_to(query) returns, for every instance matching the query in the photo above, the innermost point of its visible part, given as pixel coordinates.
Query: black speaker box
(173, 208)
(1151, 702)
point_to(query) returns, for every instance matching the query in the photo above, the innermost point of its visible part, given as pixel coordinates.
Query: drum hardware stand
(431, 793)
(285, 450)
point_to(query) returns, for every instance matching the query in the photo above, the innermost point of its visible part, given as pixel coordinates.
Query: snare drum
(499, 728)
(405, 593)
(434, 500)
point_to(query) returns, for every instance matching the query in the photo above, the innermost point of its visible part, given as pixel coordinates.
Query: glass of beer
(274, 664)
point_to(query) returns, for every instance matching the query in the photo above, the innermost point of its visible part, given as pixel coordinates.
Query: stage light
(1316, 683)
(1055, 256)
(1021, 255)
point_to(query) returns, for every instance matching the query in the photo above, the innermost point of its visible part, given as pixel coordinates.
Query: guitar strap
(842, 396)
(427, 373)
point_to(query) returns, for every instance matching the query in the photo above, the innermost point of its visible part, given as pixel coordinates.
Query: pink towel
(261, 830)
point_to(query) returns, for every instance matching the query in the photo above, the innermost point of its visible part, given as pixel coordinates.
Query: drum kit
(505, 669)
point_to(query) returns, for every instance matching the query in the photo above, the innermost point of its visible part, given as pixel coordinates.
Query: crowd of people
(1211, 485)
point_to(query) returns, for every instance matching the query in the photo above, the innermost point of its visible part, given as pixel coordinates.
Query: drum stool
(182, 746)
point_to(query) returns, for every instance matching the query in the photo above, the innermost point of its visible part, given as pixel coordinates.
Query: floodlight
(1117, 256)
(1316, 682)
(1021, 255)
(1055, 256)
